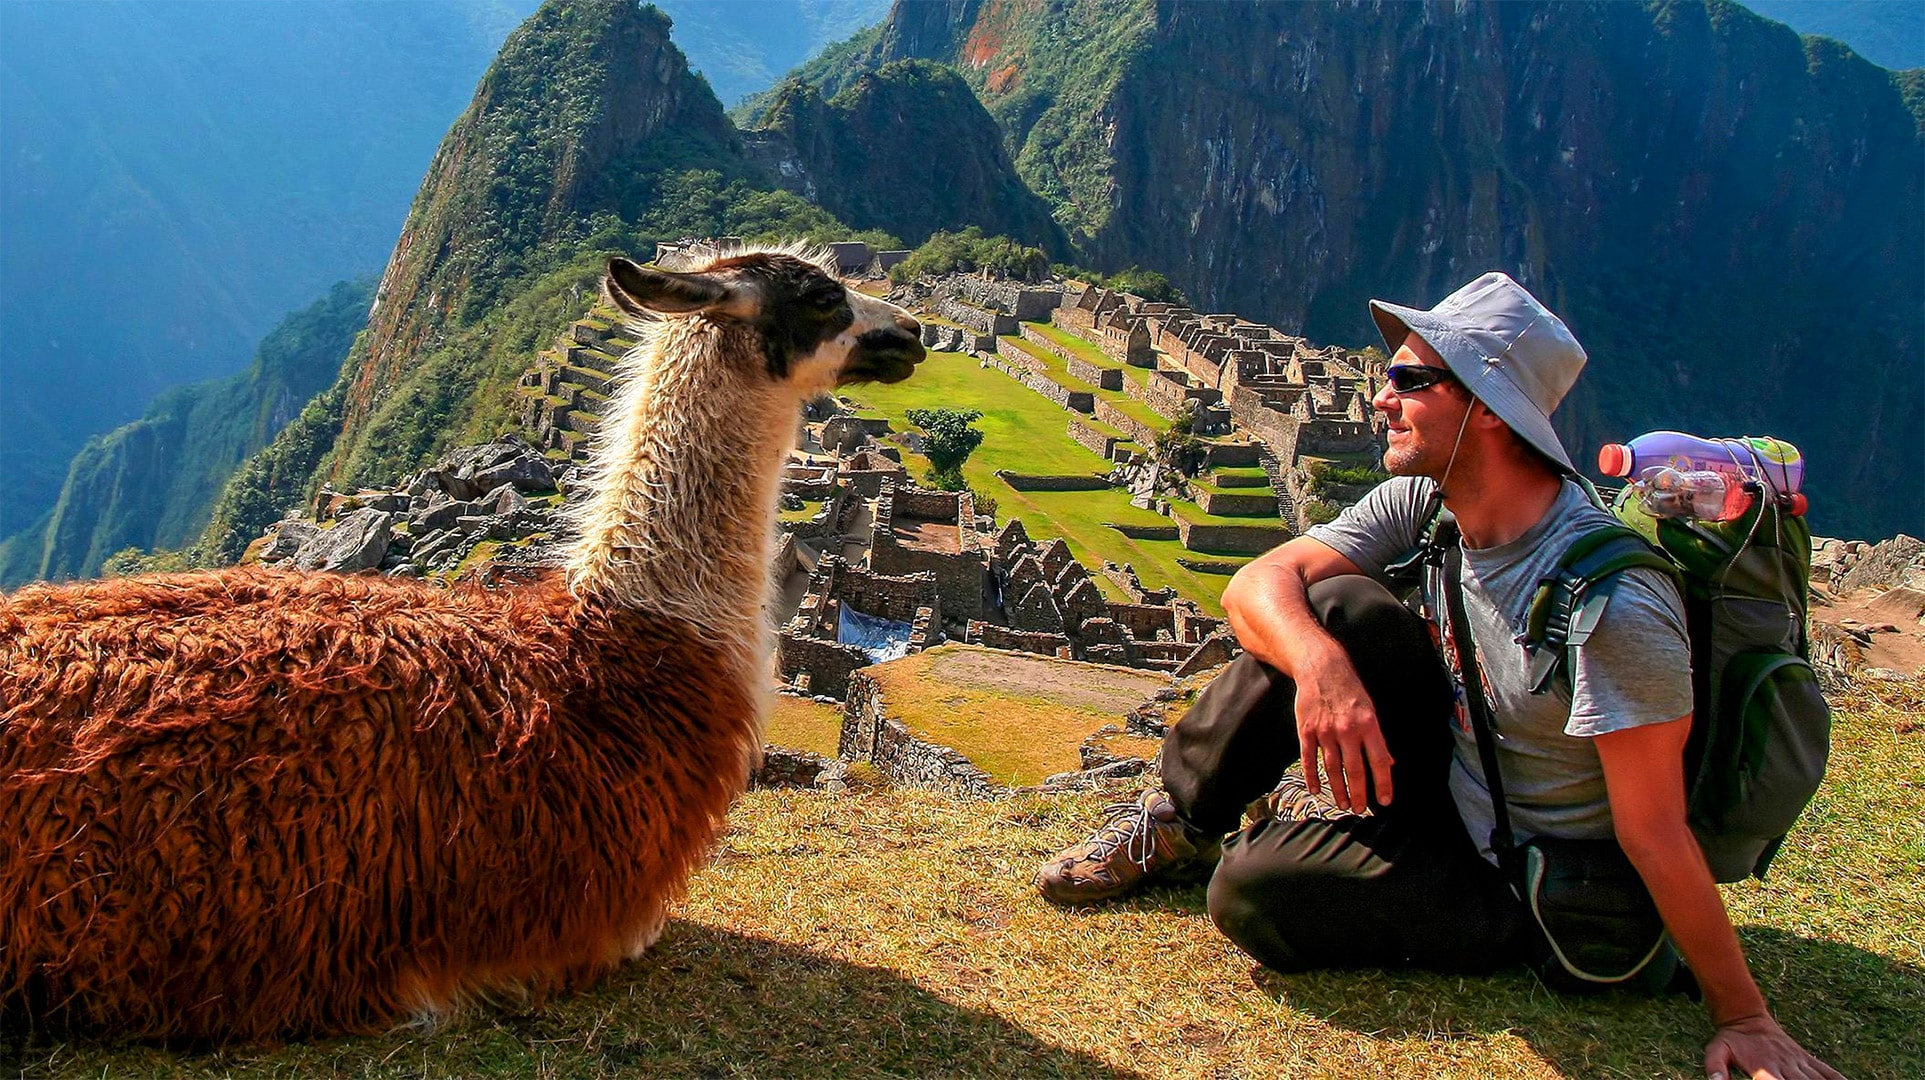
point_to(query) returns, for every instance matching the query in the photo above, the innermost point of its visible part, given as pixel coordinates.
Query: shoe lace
(1131, 827)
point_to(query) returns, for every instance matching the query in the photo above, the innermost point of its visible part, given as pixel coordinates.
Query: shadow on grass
(702, 1002)
(1861, 1011)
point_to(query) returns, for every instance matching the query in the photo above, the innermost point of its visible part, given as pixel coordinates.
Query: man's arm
(1268, 606)
(1644, 780)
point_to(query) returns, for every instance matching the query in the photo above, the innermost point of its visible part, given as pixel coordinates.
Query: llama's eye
(826, 301)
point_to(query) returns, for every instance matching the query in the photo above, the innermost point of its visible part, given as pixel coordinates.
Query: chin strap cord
(1461, 428)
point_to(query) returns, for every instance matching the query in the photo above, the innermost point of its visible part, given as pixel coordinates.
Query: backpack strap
(1568, 605)
(1438, 536)
(1502, 840)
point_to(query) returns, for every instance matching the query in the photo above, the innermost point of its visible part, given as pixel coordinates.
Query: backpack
(1760, 730)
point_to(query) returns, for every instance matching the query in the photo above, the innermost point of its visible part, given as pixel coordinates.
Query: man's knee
(1253, 914)
(1353, 604)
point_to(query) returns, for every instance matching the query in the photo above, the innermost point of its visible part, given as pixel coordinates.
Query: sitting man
(1394, 866)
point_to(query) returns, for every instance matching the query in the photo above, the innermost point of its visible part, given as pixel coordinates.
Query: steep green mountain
(588, 135)
(175, 155)
(1727, 215)
(867, 155)
(1890, 33)
(152, 483)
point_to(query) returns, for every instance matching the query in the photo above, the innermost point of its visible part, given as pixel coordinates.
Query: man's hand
(1757, 1047)
(1268, 606)
(1337, 728)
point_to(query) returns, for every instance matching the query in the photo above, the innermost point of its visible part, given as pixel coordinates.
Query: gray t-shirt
(1634, 670)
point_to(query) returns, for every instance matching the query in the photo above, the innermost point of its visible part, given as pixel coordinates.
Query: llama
(251, 804)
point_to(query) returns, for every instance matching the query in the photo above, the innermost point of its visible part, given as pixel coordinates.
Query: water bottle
(1700, 494)
(1757, 465)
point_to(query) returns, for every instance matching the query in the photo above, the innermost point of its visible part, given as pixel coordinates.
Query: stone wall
(959, 574)
(981, 320)
(1108, 378)
(1125, 423)
(784, 766)
(870, 734)
(1002, 637)
(1231, 539)
(906, 759)
(1029, 482)
(1144, 620)
(1100, 443)
(1237, 504)
(1023, 367)
(1043, 341)
(1147, 532)
(829, 664)
(1232, 455)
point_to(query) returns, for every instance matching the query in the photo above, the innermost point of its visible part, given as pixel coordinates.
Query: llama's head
(815, 332)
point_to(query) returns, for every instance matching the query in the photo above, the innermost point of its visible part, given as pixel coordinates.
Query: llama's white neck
(688, 466)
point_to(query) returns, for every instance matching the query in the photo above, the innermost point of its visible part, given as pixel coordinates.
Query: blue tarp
(883, 639)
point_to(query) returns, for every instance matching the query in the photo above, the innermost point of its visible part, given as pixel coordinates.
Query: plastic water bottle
(1701, 494)
(1756, 465)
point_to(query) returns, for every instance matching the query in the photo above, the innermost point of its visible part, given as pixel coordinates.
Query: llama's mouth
(883, 356)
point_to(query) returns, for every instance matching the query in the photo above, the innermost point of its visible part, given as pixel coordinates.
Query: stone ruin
(1224, 375)
(812, 652)
(1049, 604)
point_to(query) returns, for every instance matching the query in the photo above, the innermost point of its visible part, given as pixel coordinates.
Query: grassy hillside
(895, 933)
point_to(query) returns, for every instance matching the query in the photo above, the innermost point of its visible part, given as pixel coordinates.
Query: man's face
(1423, 424)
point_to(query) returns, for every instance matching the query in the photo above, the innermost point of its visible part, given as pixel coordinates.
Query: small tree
(947, 443)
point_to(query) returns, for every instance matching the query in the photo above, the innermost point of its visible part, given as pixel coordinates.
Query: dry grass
(1018, 718)
(803, 724)
(896, 933)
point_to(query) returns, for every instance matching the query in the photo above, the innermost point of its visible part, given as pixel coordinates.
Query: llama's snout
(885, 354)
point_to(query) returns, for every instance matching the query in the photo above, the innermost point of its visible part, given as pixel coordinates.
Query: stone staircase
(564, 395)
(1274, 469)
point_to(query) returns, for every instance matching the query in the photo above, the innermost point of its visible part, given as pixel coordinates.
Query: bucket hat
(1507, 349)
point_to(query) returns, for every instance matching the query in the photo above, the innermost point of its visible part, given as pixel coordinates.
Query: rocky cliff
(1728, 216)
(906, 148)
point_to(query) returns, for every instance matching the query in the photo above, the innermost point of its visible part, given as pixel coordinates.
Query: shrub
(948, 442)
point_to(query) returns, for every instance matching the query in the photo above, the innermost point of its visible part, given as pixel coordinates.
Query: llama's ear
(647, 293)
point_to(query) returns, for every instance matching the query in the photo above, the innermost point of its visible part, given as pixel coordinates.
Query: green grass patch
(1018, 718)
(806, 512)
(1194, 514)
(1024, 432)
(1082, 348)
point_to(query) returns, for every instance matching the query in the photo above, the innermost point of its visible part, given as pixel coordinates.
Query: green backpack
(1761, 730)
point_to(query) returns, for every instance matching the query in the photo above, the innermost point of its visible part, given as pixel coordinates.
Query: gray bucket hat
(1507, 349)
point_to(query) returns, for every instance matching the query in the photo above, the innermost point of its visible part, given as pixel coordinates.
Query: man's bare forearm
(1674, 870)
(1269, 608)
(1268, 603)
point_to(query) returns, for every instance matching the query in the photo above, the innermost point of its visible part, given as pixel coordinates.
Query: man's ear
(646, 293)
(1483, 417)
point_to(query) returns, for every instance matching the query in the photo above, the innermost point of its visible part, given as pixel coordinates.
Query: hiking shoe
(1291, 800)
(1142, 842)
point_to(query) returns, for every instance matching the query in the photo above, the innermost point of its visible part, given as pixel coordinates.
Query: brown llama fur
(292, 694)
(250, 804)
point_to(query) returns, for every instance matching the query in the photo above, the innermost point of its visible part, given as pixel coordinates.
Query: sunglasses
(1410, 378)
